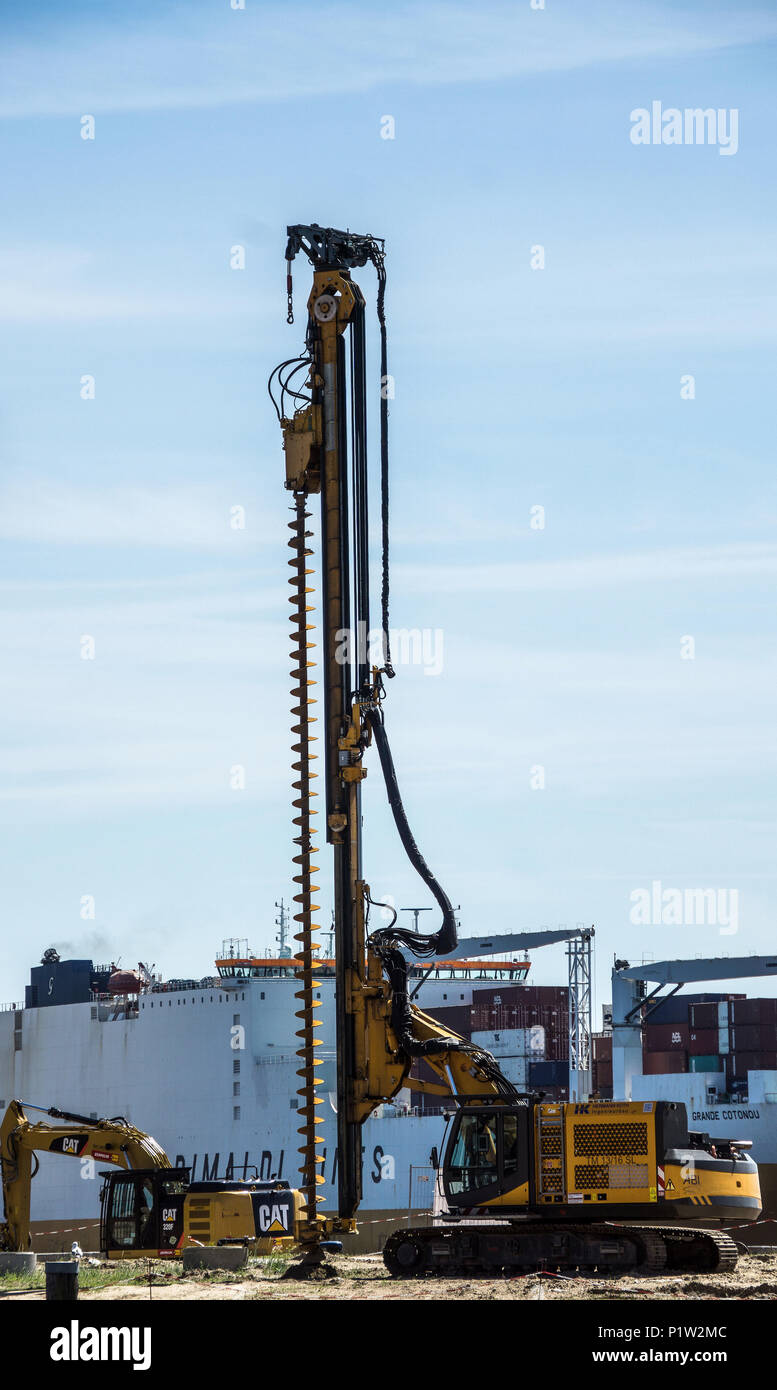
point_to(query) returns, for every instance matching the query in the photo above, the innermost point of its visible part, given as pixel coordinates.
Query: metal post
(580, 1016)
(62, 1280)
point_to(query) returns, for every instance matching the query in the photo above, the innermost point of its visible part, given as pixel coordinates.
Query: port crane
(544, 1170)
(631, 1000)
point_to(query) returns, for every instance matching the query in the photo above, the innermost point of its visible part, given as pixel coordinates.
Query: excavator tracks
(493, 1249)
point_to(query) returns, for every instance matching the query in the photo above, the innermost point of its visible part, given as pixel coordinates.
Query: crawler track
(489, 1249)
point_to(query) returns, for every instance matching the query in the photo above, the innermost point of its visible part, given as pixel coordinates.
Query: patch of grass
(91, 1277)
(271, 1266)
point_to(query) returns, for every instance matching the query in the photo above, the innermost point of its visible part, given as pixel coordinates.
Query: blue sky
(514, 388)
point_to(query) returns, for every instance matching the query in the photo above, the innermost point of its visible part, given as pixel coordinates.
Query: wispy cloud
(197, 59)
(53, 283)
(593, 571)
(195, 517)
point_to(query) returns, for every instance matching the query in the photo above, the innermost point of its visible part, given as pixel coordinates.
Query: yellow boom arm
(466, 1072)
(108, 1141)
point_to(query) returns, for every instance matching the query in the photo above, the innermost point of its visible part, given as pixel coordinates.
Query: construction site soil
(364, 1277)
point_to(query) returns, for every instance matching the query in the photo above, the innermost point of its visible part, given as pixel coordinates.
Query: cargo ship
(208, 1067)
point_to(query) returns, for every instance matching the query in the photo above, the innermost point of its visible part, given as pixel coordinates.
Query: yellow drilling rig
(525, 1182)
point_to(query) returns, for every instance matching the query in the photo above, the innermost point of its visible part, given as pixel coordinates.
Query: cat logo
(72, 1145)
(274, 1220)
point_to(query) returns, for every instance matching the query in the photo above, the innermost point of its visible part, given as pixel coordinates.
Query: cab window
(474, 1160)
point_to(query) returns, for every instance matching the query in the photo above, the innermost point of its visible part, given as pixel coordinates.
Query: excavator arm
(112, 1141)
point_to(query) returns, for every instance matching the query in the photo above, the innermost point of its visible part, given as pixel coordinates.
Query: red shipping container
(743, 1062)
(703, 1042)
(745, 1011)
(746, 1037)
(512, 995)
(704, 1015)
(662, 1037)
(756, 1011)
(602, 1047)
(665, 1063)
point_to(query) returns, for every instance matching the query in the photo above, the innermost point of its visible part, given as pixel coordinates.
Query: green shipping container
(705, 1064)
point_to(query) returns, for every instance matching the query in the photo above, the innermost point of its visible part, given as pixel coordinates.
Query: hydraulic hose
(444, 940)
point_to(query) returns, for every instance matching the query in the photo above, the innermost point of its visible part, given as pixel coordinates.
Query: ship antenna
(282, 921)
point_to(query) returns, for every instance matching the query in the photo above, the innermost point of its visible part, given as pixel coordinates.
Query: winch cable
(380, 267)
(361, 605)
(387, 941)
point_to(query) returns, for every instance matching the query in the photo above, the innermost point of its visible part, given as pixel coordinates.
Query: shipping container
(754, 1011)
(513, 1042)
(677, 1009)
(703, 1041)
(602, 1075)
(545, 1074)
(662, 1037)
(602, 1047)
(672, 1011)
(457, 1017)
(513, 995)
(704, 1016)
(750, 1037)
(664, 1063)
(705, 1064)
(740, 1063)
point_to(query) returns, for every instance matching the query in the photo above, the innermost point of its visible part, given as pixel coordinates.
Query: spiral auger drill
(303, 877)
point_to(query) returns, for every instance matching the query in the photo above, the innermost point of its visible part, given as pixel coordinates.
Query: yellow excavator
(623, 1185)
(151, 1208)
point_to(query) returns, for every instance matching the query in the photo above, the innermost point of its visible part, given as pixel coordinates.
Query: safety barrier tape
(66, 1230)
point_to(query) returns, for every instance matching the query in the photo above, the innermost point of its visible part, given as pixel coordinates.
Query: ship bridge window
(235, 1018)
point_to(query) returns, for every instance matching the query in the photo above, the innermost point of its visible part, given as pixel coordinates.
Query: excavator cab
(488, 1156)
(143, 1211)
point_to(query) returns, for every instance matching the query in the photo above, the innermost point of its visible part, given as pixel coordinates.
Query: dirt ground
(363, 1277)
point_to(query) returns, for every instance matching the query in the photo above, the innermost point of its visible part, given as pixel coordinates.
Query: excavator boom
(112, 1141)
